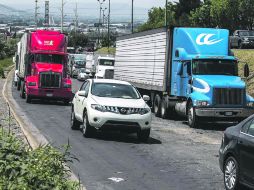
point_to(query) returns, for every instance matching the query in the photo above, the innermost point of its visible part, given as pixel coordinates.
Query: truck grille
(50, 80)
(229, 96)
(109, 74)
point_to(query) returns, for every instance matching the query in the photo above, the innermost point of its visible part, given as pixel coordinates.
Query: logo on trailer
(204, 39)
(48, 43)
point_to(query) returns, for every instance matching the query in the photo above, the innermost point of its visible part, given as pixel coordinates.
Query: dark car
(236, 155)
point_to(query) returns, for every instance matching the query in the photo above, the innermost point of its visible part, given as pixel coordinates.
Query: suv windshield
(49, 58)
(214, 67)
(112, 90)
(106, 62)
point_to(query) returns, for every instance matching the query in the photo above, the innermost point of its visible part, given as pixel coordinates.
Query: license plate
(228, 113)
(49, 94)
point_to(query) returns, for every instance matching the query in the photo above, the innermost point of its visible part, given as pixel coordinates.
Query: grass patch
(246, 56)
(105, 50)
(42, 168)
(4, 63)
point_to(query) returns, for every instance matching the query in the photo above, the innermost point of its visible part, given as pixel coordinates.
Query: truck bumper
(224, 112)
(50, 93)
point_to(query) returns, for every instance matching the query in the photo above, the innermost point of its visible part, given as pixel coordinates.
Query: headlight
(144, 111)
(98, 107)
(32, 84)
(202, 103)
(246, 39)
(67, 85)
(250, 104)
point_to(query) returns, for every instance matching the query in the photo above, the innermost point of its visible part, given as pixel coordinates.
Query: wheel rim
(163, 108)
(190, 115)
(156, 106)
(84, 125)
(230, 174)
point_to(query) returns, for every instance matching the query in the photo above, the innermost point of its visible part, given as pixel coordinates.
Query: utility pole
(62, 15)
(76, 23)
(103, 21)
(36, 14)
(99, 34)
(108, 24)
(132, 30)
(166, 13)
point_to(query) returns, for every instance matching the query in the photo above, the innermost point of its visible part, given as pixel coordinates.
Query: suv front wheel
(87, 129)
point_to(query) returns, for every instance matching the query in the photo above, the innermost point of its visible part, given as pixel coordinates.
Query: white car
(82, 75)
(103, 104)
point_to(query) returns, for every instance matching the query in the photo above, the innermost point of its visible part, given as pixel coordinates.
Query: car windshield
(82, 70)
(80, 62)
(113, 90)
(214, 67)
(49, 58)
(246, 33)
(106, 62)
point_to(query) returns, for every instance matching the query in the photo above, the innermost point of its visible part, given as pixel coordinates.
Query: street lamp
(100, 2)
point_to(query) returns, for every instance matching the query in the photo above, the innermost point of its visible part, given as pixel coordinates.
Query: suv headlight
(98, 107)
(144, 111)
(202, 103)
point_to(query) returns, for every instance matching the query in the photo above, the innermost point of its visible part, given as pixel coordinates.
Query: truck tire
(22, 90)
(143, 135)
(157, 105)
(19, 84)
(164, 108)
(28, 99)
(193, 120)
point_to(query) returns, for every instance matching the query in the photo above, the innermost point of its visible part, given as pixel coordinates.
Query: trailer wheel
(22, 90)
(19, 85)
(164, 108)
(157, 105)
(192, 117)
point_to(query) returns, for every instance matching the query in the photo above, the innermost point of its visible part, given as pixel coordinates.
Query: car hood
(119, 102)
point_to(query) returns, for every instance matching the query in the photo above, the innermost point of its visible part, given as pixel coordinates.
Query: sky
(89, 8)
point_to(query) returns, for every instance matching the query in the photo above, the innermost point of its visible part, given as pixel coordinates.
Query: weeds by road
(5, 63)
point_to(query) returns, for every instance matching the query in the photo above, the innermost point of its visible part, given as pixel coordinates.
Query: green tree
(247, 14)
(202, 17)
(77, 39)
(183, 9)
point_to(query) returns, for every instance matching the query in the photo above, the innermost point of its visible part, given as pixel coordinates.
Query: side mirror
(246, 70)
(83, 93)
(179, 68)
(146, 98)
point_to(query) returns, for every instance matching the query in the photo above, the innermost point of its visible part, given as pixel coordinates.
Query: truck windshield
(106, 62)
(214, 67)
(49, 58)
(80, 62)
(246, 33)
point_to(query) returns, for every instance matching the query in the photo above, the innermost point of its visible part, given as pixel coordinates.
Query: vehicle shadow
(213, 126)
(122, 137)
(49, 102)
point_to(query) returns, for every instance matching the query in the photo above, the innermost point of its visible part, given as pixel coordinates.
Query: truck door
(185, 77)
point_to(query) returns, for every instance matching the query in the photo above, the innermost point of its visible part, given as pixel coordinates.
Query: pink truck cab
(42, 68)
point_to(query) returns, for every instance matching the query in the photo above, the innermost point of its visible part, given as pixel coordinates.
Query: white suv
(103, 104)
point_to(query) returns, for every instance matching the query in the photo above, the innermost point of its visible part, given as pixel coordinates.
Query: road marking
(115, 179)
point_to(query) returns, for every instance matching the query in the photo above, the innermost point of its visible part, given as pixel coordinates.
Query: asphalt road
(176, 157)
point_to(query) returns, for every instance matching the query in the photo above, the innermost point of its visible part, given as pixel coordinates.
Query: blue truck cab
(204, 77)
